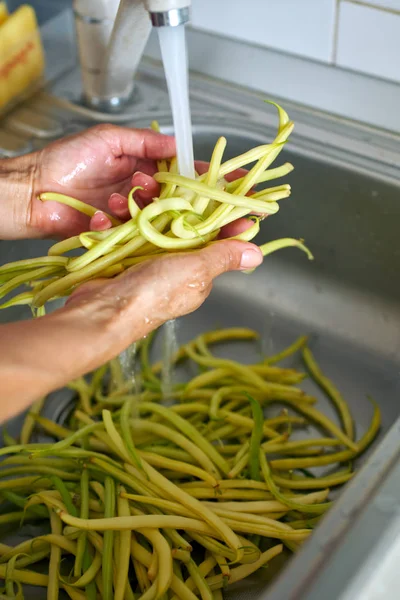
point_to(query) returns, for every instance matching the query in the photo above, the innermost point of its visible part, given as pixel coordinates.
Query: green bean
(168, 452)
(251, 178)
(22, 483)
(55, 558)
(292, 349)
(18, 280)
(331, 390)
(239, 573)
(132, 206)
(17, 516)
(190, 432)
(164, 557)
(23, 265)
(8, 439)
(26, 577)
(141, 576)
(18, 300)
(174, 492)
(276, 390)
(199, 581)
(117, 442)
(32, 558)
(203, 570)
(255, 440)
(314, 508)
(9, 587)
(124, 550)
(94, 268)
(166, 505)
(84, 514)
(180, 440)
(65, 495)
(126, 413)
(285, 464)
(123, 476)
(212, 193)
(324, 422)
(268, 175)
(47, 498)
(292, 446)
(29, 422)
(102, 248)
(40, 470)
(86, 209)
(224, 567)
(247, 423)
(181, 467)
(109, 512)
(82, 387)
(87, 580)
(20, 501)
(72, 243)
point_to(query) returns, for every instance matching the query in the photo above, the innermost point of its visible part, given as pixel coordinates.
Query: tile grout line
(391, 11)
(335, 33)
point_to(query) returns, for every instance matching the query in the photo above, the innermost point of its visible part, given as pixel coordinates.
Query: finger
(201, 166)
(230, 255)
(151, 188)
(148, 167)
(118, 206)
(162, 288)
(100, 222)
(235, 228)
(138, 143)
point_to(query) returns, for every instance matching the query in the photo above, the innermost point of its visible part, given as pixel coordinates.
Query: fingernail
(119, 199)
(251, 259)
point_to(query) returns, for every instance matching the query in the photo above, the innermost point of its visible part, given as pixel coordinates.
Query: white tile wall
(354, 44)
(369, 40)
(287, 77)
(391, 4)
(302, 27)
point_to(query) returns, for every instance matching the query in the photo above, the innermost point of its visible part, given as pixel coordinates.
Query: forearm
(16, 189)
(99, 322)
(44, 354)
(103, 317)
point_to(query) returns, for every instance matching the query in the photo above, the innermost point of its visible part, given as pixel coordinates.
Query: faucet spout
(170, 13)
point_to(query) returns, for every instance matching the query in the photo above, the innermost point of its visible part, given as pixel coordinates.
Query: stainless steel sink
(346, 204)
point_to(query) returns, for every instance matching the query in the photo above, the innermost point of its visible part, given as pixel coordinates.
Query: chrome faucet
(112, 36)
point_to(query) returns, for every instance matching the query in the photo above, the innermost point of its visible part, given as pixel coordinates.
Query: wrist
(16, 188)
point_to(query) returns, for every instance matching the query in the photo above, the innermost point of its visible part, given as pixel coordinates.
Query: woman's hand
(90, 166)
(99, 167)
(104, 317)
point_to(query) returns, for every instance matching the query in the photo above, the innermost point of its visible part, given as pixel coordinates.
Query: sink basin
(346, 204)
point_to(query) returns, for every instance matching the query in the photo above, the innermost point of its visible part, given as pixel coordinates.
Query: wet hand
(104, 317)
(89, 166)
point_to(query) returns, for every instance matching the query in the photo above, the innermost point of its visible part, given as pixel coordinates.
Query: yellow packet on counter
(21, 55)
